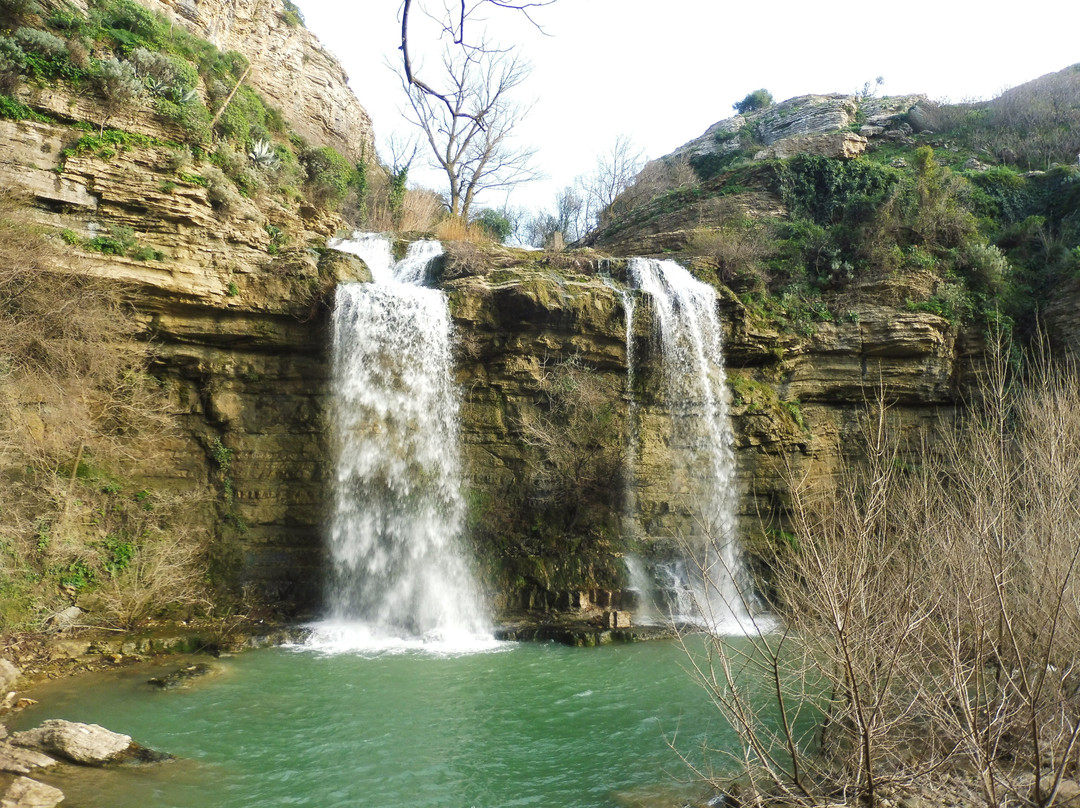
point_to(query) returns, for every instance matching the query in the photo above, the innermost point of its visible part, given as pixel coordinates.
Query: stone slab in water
(88, 744)
(21, 761)
(22, 792)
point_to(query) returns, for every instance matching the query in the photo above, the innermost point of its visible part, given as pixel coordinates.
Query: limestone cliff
(289, 66)
(798, 401)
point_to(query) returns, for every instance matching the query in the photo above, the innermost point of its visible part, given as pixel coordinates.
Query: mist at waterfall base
(399, 578)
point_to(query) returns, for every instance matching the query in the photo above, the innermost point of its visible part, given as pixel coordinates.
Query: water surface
(525, 725)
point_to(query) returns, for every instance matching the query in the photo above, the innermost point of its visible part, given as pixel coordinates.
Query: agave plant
(262, 154)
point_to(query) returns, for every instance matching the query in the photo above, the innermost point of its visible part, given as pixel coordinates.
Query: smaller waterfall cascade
(646, 611)
(710, 581)
(398, 572)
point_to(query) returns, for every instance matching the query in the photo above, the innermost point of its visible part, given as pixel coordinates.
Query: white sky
(663, 71)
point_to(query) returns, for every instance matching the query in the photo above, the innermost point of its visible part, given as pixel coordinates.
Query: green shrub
(130, 24)
(41, 42)
(758, 99)
(15, 110)
(119, 241)
(220, 190)
(164, 75)
(118, 84)
(191, 115)
(829, 191)
(330, 176)
(495, 224)
(69, 19)
(248, 118)
(292, 14)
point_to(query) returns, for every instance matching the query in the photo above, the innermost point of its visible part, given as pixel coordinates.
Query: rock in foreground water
(88, 744)
(22, 792)
(21, 761)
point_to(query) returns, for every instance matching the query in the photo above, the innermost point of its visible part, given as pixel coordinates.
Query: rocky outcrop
(843, 145)
(814, 124)
(239, 335)
(288, 66)
(798, 398)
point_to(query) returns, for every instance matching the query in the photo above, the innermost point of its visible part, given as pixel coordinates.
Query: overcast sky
(663, 72)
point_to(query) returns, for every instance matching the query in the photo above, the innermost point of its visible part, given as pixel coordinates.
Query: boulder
(8, 675)
(88, 744)
(23, 792)
(180, 677)
(1068, 791)
(65, 619)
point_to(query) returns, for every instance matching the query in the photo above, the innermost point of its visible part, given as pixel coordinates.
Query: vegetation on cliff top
(134, 61)
(973, 241)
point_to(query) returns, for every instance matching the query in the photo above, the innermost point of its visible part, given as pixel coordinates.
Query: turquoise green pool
(523, 725)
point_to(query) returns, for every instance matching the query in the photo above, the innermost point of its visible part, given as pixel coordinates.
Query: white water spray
(398, 573)
(694, 390)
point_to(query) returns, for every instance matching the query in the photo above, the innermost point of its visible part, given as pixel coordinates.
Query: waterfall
(709, 585)
(398, 573)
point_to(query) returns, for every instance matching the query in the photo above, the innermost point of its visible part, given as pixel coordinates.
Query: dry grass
(78, 412)
(454, 228)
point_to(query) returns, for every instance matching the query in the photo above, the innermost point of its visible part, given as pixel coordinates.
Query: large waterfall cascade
(398, 573)
(709, 585)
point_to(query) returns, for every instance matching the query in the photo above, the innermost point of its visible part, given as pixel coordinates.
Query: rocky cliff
(289, 66)
(799, 404)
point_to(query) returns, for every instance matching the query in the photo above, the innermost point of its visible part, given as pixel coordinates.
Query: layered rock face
(812, 124)
(288, 66)
(239, 336)
(241, 339)
(799, 402)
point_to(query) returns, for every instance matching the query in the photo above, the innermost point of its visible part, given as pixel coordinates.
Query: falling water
(646, 611)
(691, 339)
(398, 573)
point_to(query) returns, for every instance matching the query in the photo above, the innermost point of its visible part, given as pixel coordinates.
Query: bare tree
(470, 135)
(615, 171)
(451, 21)
(930, 635)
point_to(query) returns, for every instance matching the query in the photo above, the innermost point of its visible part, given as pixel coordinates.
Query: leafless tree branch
(452, 23)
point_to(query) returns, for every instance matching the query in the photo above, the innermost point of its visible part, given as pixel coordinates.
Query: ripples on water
(518, 725)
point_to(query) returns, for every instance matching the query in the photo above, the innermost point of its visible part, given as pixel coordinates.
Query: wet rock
(616, 619)
(88, 744)
(180, 677)
(21, 761)
(22, 792)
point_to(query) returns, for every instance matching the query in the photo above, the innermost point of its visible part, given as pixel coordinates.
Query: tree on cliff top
(759, 99)
(470, 135)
